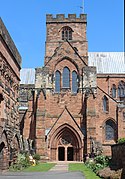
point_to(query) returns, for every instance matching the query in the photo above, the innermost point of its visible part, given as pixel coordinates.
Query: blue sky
(25, 21)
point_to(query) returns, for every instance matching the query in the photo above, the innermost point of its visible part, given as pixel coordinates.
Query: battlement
(62, 19)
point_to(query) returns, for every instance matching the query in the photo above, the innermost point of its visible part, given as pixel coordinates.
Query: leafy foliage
(98, 163)
(121, 140)
(21, 162)
(36, 157)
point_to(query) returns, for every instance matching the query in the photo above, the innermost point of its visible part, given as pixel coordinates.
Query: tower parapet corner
(49, 17)
(83, 17)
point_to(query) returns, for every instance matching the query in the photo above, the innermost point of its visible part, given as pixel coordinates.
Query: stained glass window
(105, 104)
(74, 82)
(66, 77)
(110, 128)
(57, 81)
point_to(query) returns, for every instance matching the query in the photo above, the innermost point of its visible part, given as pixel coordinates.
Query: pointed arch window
(110, 130)
(121, 89)
(66, 77)
(67, 33)
(74, 82)
(114, 91)
(57, 81)
(105, 104)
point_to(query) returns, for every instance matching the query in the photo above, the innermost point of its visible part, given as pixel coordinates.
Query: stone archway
(4, 159)
(66, 144)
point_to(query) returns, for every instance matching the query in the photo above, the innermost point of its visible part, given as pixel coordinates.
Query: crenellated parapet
(61, 18)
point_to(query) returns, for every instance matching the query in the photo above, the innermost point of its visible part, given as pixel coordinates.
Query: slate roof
(27, 76)
(107, 62)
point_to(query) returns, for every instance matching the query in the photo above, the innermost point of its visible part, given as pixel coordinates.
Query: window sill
(106, 112)
(109, 142)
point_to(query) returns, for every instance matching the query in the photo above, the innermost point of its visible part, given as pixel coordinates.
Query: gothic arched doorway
(66, 144)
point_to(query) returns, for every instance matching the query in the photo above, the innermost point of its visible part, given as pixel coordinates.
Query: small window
(66, 33)
(110, 130)
(113, 91)
(105, 104)
(124, 116)
(57, 81)
(74, 82)
(121, 89)
(66, 77)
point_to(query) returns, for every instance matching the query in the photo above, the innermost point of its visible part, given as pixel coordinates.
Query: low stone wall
(118, 156)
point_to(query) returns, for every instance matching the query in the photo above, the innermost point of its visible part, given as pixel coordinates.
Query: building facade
(75, 104)
(10, 65)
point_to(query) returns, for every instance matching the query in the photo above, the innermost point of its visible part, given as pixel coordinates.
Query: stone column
(65, 153)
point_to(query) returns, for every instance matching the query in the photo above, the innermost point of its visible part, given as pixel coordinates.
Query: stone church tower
(60, 114)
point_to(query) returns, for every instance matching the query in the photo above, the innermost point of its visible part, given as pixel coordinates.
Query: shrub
(103, 160)
(36, 157)
(21, 162)
(121, 140)
(98, 163)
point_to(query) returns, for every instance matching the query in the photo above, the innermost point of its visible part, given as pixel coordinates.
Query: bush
(36, 157)
(98, 163)
(21, 162)
(121, 140)
(103, 160)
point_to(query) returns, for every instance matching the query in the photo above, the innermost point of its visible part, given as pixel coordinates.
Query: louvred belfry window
(74, 82)
(57, 81)
(66, 77)
(66, 33)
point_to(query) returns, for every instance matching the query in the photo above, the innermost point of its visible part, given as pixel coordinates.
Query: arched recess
(14, 148)
(71, 61)
(65, 136)
(4, 158)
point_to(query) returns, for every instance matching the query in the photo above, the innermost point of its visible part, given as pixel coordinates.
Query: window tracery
(66, 33)
(110, 130)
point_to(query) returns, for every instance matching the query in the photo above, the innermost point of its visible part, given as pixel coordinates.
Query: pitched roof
(107, 62)
(27, 76)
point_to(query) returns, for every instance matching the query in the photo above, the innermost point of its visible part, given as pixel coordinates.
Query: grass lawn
(86, 171)
(41, 167)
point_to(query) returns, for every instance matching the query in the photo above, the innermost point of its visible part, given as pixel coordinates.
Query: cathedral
(71, 107)
(75, 104)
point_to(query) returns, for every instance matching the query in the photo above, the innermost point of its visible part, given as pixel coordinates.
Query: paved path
(59, 171)
(60, 166)
(44, 175)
